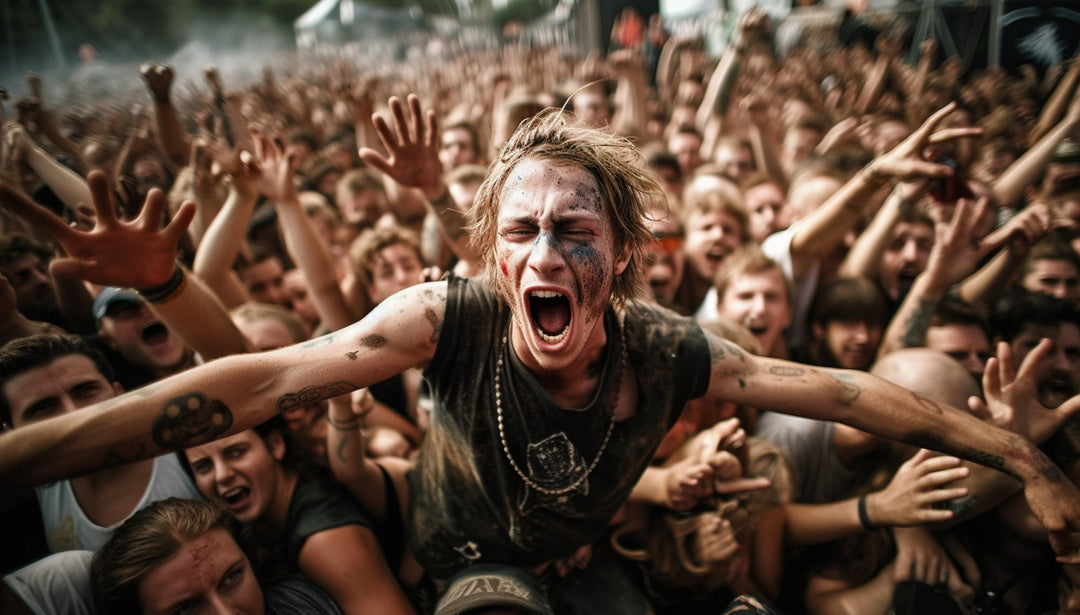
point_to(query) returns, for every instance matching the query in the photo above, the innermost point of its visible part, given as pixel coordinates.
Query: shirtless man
(552, 383)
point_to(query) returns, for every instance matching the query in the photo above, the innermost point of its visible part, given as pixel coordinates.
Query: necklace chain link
(603, 445)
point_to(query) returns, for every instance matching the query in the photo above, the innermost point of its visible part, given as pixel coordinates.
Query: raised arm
(1027, 169)
(174, 141)
(224, 238)
(953, 257)
(631, 89)
(763, 141)
(139, 255)
(1018, 235)
(1057, 102)
(864, 257)
(68, 185)
(821, 231)
(276, 182)
(32, 109)
(885, 410)
(413, 147)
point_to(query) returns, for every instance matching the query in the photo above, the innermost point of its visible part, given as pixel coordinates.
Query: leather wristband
(864, 517)
(169, 290)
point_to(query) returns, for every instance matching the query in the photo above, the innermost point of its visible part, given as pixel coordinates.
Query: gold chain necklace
(603, 445)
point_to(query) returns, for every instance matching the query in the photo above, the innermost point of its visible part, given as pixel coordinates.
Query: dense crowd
(517, 331)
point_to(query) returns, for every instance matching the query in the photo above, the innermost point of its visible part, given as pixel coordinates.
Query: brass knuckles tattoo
(189, 420)
(310, 395)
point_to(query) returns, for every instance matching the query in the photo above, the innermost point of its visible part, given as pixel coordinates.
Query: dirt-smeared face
(556, 259)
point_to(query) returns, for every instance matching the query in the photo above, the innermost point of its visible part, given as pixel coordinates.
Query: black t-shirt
(320, 504)
(468, 504)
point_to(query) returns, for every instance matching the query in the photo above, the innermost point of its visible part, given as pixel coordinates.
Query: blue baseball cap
(113, 295)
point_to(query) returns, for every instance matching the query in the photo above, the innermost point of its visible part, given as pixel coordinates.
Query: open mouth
(550, 312)
(906, 279)
(757, 330)
(237, 497)
(715, 256)
(155, 334)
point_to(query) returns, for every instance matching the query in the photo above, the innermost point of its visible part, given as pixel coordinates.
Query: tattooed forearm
(310, 395)
(849, 390)
(319, 341)
(929, 404)
(934, 442)
(735, 350)
(786, 370)
(958, 506)
(918, 323)
(342, 447)
(189, 420)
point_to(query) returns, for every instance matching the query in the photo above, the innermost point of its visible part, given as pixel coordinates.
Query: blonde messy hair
(613, 161)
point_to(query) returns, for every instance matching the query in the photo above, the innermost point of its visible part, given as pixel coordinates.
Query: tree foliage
(124, 29)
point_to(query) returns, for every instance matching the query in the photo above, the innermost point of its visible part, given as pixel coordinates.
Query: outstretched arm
(885, 410)
(908, 499)
(33, 110)
(1011, 403)
(228, 395)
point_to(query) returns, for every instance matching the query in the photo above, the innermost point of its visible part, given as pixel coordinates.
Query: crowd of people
(785, 331)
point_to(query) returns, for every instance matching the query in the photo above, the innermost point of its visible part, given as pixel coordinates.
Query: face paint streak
(593, 272)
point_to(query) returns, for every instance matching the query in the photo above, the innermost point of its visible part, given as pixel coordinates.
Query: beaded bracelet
(864, 517)
(169, 290)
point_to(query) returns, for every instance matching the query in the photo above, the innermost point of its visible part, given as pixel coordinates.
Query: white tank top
(66, 525)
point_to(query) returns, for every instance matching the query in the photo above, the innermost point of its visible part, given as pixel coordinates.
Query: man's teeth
(551, 339)
(546, 294)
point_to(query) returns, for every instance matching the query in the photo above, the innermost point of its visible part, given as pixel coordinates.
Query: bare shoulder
(737, 372)
(410, 320)
(724, 352)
